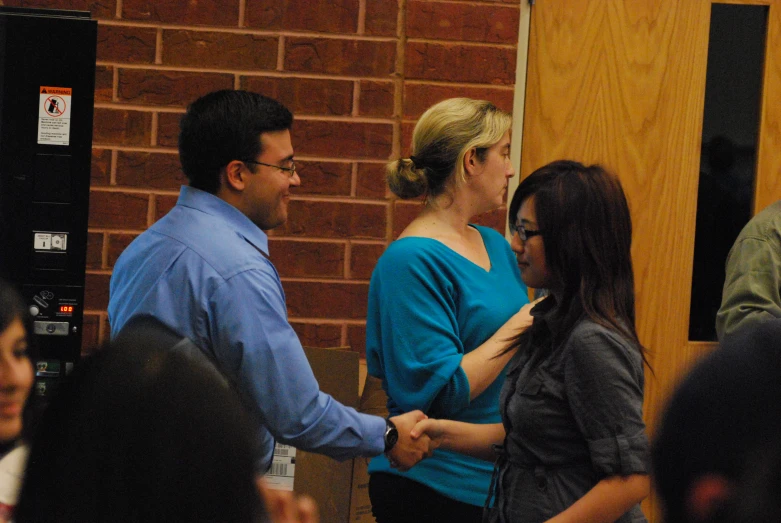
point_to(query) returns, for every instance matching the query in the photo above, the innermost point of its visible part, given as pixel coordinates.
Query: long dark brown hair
(12, 308)
(587, 235)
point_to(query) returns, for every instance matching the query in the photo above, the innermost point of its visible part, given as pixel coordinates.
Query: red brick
(513, 2)
(219, 50)
(382, 17)
(172, 88)
(99, 9)
(340, 56)
(96, 291)
(149, 170)
(343, 139)
(334, 300)
(323, 335)
(294, 259)
(95, 250)
(163, 204)
(100, 171)
(117, 243)
(104, 83)
(334, 220)
(496, 219)
(407, 128)
(468, 22)
(106, 332)
(118, 127)
(356, 338)
(371, 181)
(202, 12)
(306, 95)
(116, 210)
(419, 97)
(132, 45)
(376, 99)
(168, 129)
(325, 178)
(90, 334)
(334, 16)
(403, 213)
(460, 63)
(363, 258)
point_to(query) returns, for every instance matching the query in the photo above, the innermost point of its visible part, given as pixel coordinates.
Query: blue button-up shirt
(201, 271)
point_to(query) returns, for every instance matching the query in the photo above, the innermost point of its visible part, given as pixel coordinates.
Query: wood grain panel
(622, 83)
(768, 185)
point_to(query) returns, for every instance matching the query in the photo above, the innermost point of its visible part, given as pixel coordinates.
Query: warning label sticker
(54, 115)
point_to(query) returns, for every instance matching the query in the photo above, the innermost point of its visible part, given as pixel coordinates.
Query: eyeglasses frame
(290, 170)
(523, 233)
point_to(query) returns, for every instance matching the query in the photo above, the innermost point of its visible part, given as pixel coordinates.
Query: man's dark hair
(224, 126)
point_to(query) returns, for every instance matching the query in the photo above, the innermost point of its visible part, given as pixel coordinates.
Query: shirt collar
(216, 206)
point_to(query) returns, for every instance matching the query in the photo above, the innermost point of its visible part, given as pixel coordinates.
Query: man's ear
(233, 175)
(706, 494)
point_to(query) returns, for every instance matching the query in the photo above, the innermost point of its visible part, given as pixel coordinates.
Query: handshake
(414, 442)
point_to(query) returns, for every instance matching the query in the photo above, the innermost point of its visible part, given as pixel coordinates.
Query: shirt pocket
(542, 384)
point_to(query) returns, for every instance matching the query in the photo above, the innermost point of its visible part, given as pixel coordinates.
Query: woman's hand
(472, 439)
(433, 428)
(523, 319)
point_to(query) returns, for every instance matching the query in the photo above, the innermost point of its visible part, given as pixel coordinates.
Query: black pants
(400, 500)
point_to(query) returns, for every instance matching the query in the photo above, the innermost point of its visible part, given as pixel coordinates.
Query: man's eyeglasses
(289, 170)
(523, 233)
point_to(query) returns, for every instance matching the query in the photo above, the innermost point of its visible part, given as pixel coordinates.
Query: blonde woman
(444, 300)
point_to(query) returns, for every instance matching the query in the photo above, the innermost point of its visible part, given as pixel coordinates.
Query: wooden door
(622, 83)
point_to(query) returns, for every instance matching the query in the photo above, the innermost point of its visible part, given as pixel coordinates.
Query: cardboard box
(328, 481)
(341, 490)
(373, 401)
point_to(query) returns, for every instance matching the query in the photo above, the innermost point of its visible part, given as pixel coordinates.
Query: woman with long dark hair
(572, 445)
(16, 380)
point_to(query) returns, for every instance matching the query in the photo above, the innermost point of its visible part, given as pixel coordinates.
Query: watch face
(392, 437)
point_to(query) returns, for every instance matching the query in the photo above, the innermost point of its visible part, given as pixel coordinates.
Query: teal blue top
(428, 306)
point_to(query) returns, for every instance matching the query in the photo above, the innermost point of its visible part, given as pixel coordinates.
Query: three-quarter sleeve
(413, 339)
(604, 385)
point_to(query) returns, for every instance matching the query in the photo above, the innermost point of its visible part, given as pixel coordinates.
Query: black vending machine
(47, 83)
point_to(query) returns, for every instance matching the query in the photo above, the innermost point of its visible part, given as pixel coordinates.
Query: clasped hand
(408, 451)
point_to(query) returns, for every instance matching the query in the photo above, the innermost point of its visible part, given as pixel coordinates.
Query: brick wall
(357, 74)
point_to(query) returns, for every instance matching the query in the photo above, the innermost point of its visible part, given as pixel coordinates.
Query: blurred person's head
(452, 140)
(16, 367)
(139, 432)
(721, 430)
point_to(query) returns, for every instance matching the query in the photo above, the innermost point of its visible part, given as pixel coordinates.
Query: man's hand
(407, 452)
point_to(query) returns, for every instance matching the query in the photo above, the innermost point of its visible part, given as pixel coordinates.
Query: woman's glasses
(523, 233)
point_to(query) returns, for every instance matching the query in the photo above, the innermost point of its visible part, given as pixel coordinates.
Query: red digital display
(66, 308)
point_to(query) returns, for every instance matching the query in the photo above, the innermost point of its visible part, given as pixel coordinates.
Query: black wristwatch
(391, 435)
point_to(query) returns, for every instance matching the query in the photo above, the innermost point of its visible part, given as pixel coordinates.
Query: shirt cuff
(620, 455)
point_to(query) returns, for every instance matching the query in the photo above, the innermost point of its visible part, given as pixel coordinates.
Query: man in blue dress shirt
(203, 270)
